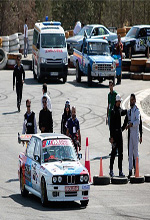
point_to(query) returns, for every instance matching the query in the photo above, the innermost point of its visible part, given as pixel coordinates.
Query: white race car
(49, 169)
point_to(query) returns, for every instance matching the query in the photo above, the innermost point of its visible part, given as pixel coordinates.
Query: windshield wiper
(65, 159)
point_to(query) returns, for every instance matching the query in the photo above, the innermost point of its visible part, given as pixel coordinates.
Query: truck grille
(104, 67)
(54, 61)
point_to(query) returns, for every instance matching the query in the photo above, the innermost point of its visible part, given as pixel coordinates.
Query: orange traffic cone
(87, 161)
(137, 168)
(101, 168)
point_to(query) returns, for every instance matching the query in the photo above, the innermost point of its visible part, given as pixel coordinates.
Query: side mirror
(38, 46)
(80, 156)
(37, 158)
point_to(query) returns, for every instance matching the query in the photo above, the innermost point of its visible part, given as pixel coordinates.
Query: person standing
(25, 38)
(116, 135)
(73, 128)
(111, 101)
(45, 118)
(66, 115)
(134, 126)
(119, 49)
(49, 105)
(29, 125)
(19, 77)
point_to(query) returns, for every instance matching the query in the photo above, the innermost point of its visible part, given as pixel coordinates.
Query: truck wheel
(84, 203)
(64, 79)
(24, 192)
(89, 76)
(44, 199)
(78, 73)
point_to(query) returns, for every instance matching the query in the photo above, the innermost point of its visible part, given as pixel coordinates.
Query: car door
(29, 161)
(142, 37)
(36, 165)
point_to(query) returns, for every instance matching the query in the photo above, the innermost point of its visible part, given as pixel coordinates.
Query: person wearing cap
(116, 135)
(18, 77)
(44, 90)
(73, 128)
(133, 123)
(29, 125)
(65, 116)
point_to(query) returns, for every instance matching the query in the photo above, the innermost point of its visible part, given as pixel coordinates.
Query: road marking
(142, 94)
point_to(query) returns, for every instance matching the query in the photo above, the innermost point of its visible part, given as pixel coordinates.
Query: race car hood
(101, 59)
(64, 168)
(75, 39)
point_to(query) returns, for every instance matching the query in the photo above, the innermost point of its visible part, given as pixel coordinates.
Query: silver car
(93, 31)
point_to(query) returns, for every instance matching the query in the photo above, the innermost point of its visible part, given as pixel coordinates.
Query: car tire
(119, 180)
(24, 192)
(134, 179)
(147, 178)
(101, 180)
(44, 199)
(84, 203)
(78, 73)
(89, 77)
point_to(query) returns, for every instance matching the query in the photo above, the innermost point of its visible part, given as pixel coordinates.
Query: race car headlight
(86, 178)
(65, 60)
(42, 60)
(81, 179)
(59, 179)
(54, 179)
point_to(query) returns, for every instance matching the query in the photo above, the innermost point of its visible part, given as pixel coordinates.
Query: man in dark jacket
(116, 135)
(19, 75)
(45, 118)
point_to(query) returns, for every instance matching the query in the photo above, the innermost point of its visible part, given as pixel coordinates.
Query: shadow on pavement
(84, 84)
(12, 180)
(10, 113)
(35, 203)
(31, 81)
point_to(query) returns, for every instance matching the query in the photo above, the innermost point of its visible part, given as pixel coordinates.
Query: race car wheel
(78, 73)
(134, 179)
(119, 180)
(101, 180)
(147, 178)
(44, 199)
(89, 76)
(84, 203)
(24, 192)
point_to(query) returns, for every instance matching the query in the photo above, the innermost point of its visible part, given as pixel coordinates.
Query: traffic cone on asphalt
(87, 161)
(137, 168)
(101, 168)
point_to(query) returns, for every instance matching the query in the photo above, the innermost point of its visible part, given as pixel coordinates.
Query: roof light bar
(51, 23)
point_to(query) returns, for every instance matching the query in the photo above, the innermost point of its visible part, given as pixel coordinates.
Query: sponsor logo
(86, 187)
(55, 50)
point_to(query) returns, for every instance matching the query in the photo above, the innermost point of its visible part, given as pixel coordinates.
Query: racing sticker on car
(48, 143)
(28, 172)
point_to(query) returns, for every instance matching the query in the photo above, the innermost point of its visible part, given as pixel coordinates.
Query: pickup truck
(94, 61)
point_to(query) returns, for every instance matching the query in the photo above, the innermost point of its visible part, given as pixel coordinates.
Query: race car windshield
(87, 29)
(58, 153)
(53, 41)
(98, 48)
(132, 32)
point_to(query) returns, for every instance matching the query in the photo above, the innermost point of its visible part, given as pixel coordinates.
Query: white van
(49, 51)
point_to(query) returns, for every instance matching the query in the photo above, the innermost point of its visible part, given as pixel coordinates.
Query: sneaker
(121, 174)
(18, 108)
(111, 173)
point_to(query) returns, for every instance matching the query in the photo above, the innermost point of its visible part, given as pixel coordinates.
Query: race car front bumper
(68, 192)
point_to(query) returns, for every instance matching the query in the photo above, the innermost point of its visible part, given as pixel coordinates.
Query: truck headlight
(65, 60)
(42, 60)
(54, 179)
(113, 66)
(81, 179)
(59, 179)
(95, 66)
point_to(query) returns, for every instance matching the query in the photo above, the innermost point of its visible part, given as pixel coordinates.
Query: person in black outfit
(29, 125)
(19, 75)
(116, 135)
(127, 122)
(45, 118)
(66, 115)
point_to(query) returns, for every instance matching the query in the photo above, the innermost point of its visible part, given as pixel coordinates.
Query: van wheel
(89, 76)
(44, 199)
(24, 192)
(39, 78)
(78, 73)
(34, 75)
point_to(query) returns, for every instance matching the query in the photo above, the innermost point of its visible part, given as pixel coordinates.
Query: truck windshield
(53, 41)
(132, 32)
(87, 29)
(98, 48)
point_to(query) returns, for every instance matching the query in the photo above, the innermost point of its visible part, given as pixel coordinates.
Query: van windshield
(53, 41)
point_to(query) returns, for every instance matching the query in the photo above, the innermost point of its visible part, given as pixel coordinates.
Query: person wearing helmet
(65, 116)
(116, 135)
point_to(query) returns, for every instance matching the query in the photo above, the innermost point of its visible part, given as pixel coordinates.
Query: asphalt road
(106, 202)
